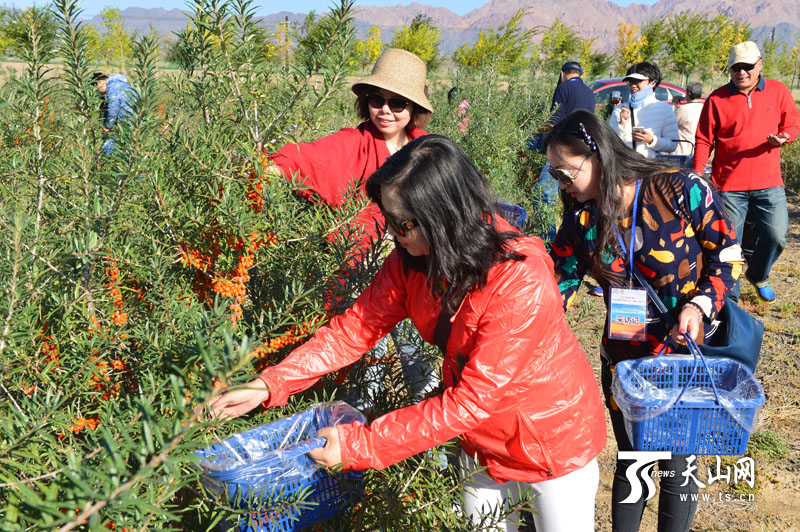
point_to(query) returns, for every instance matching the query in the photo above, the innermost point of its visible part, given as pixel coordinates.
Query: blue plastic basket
(700, 426)
(287, 442)
(513, 214)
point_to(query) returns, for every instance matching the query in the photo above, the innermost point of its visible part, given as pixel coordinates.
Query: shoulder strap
(441, 335)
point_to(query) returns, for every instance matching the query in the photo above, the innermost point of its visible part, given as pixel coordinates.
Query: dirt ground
(776, 496)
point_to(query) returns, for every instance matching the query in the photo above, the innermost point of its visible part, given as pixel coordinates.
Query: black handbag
(738, 337)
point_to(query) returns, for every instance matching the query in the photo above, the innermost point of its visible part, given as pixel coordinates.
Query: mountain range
(599, 19)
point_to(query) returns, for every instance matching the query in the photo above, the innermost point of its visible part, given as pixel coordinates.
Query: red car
(602, 89)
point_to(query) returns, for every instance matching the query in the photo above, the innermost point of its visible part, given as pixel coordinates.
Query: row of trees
(110, 44)
(685, 44)
(697, 45)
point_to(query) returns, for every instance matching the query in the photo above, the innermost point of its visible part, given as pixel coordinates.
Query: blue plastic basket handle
(308, 445)
(697, 354)
(317, 442)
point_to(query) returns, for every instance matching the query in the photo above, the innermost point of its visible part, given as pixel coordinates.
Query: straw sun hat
(401, 72)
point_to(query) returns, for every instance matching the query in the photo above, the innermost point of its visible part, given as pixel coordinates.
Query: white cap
(745, 52)
(635, 75)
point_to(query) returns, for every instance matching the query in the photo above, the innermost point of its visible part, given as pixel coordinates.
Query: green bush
(790, 165)
(138, 283)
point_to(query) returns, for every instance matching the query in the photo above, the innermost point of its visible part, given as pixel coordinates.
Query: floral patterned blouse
(685, 247)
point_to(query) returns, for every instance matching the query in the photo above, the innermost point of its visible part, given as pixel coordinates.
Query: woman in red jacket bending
(519, 392)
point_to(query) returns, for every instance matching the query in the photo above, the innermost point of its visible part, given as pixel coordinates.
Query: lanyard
(633, 232)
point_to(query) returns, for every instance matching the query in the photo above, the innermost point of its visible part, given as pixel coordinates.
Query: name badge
(627, 314)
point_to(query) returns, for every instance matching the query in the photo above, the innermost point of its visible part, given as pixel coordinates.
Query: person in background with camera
(394, 105)
(645, 123)
(746, 123)
(622, 212)
(614, 100)
(518, 392)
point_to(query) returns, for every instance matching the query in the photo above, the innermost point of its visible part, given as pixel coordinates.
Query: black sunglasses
(401, 228)
(738, 67)
(564, 177)
(395, 104)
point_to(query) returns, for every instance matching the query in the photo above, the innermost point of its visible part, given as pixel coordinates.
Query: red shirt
(326, 168)
(735, 125)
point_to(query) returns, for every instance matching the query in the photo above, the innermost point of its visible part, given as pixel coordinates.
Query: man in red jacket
(746, 122)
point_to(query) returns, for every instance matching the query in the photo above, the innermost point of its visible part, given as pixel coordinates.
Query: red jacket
(520, 391)
(328, 167)
(736, 126)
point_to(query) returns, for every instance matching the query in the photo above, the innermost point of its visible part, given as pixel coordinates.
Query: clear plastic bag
(271, 456)
(649, 387)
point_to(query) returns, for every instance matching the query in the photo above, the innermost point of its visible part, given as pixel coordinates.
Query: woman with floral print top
(683, 245)
(685, 248)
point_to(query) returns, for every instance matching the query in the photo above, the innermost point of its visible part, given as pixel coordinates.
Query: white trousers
(564, 504)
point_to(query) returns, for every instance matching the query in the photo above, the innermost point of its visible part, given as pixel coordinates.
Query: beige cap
(401, 72)
(745, 52)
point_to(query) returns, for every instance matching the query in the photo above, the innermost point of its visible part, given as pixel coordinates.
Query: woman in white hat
(393, 103)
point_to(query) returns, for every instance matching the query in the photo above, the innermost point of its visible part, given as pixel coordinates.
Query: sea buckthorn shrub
(142, 276)
(790, 164)
(492, 116)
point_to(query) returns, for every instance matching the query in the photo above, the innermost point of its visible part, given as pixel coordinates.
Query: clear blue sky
(93, 7)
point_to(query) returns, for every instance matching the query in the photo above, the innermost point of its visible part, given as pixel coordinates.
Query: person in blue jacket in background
(570, 95)
(118, 98)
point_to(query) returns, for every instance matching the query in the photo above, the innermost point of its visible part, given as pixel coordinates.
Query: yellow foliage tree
(631, 42)
(282, 40)
(726, 34)
(370, 48)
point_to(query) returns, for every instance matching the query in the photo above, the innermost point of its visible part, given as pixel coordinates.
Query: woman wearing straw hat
(393, 103)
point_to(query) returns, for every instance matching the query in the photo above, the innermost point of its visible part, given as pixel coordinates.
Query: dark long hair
(619, 166)
(450, 199)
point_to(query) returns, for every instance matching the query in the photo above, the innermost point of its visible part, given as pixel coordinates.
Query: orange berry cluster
(196, 259)
(235, 287)
(227, 284)
(49, 349)
(294, 335)
(118, 317)
(102, 379)
(112, 526)
(255, 192)
(374, 361)
(84, 423)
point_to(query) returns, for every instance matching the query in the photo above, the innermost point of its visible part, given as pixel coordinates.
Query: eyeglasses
(401, 228)
(633, 81)
(564, 177)
(738, 67)
(395, 104)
